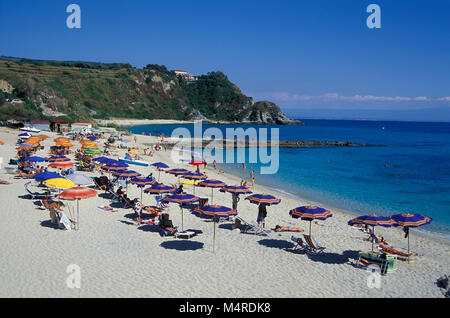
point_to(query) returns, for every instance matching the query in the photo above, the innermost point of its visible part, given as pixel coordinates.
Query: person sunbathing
(391, 250)
(50, 204)
(377, 238)
(280, 228)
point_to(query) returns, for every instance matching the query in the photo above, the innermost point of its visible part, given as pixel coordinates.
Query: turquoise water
(408, 169)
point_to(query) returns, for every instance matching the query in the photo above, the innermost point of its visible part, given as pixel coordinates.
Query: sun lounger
(60, 219)
(37, 195)
(160, 203)
(250, 228)
(368, 262)
(311, 245)
(299, 242)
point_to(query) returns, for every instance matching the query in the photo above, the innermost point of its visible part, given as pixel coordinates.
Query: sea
(404, 167)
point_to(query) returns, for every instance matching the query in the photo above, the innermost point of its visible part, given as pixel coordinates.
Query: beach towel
(107, 208)
(64, 221)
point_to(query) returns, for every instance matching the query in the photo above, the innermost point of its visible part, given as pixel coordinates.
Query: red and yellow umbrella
(77, 193)
(61, 164)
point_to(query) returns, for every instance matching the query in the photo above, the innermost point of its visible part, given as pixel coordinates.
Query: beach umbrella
(197, 163)
(142, 182)
(181, 199)
(195, 176)
(134, 152)
(61, 139)
(266, 199)
(373, 220)
(91, 137)
(310, 213)
(92, 151)
(160, 165)
(408, 220)
(125, 173)
(235, 189)
(213, 211)
(1, 142)
(79, 179)
(111, 166)
(177, 172)
(46, 175)
(102, 159)
(77, 193)
(160, 188)
(34, 159)
(61, 164)
(43, 137)
(59, 183)
(58, 159)
(211, 183)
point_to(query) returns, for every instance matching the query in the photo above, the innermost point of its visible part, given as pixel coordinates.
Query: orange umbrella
(61, 164)
(77, 193)
(59, 139)
(1, 142)
(64, 145)
(43, 137)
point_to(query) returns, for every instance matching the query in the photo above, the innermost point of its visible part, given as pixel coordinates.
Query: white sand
(119, 259)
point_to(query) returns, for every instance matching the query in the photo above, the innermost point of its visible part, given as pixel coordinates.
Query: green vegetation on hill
(90, 90)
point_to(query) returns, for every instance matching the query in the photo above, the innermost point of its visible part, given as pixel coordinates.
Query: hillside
(86, 91)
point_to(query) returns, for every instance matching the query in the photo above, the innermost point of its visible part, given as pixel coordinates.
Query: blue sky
(307, 56)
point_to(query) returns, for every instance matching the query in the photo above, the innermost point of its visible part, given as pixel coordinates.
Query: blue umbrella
(46, 175)
(34, 159)
(213, 211)
(408, 220)
(91, 137)
(27, 144)
(160, 165)
(142, 182)
(125, 173)
(160, 188)
(373, 220)
(181, 199)
(102, 159)
(210, 183)
(25, 135)
(310, 213)
(266, 199)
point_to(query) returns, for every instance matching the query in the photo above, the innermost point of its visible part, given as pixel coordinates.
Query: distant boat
(30, 129)
(382, 128)
(134, 162)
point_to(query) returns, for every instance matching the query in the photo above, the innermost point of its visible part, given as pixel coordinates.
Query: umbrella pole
(408, 245)
(78, 213)
(214, 236)
(310, 222)
(182, 223)
(212, 196)
(373, 236)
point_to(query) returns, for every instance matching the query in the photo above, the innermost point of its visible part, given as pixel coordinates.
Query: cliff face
(85, 90)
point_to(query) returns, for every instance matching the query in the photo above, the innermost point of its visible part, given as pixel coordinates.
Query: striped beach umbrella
(177, 172)
(266, 199)
(408, 220)
(125, 173)
(61, 164)
(112, 166)
(160, 188)
(214, 212)
(211, 183)
(181, 199)
(373, 220)
(57, 158)
(310, 213)
(236, 189)
(77, 193)
(141, 182)
(195, 176)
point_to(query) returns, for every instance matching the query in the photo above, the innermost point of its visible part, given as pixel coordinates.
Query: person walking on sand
(262, 213)
(252, 176)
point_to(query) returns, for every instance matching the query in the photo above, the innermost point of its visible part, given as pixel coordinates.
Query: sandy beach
(117, 258)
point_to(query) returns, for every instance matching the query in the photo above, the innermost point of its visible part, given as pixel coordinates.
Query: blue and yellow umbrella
(181, 199)
(310, 213)
(373, 220)
(408, 220)
(142, 182)
(266, 199)
(211, 184)
(213, 211)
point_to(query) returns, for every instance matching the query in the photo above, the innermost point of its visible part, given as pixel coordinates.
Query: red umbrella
(61, 164)
(77, 193)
